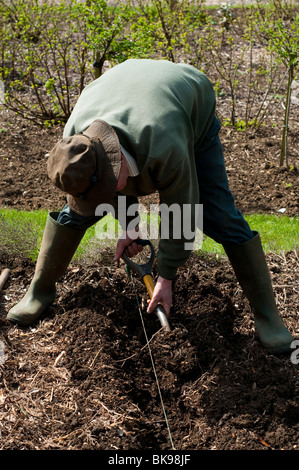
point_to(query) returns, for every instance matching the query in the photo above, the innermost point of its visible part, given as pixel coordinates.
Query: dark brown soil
(82, 377)
(252, 160)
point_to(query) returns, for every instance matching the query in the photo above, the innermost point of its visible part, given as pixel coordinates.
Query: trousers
(222, 221)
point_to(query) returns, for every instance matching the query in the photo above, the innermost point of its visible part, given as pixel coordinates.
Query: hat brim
(104, 189)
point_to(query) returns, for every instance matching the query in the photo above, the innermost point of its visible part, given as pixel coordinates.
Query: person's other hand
(162, 295)
(127, 244)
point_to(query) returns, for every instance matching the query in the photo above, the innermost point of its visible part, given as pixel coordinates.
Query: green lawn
(278, 233)
(21, 231)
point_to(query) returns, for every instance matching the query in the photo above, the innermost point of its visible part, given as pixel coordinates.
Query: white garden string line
(152, 361)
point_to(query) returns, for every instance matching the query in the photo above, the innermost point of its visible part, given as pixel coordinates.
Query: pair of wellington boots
(248, 261)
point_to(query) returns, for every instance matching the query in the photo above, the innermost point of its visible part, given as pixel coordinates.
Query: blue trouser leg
(222, 221)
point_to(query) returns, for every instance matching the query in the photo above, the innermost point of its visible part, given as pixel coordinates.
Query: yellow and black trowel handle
(145, 271)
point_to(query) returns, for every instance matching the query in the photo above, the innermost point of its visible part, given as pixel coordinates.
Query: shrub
(49, 52)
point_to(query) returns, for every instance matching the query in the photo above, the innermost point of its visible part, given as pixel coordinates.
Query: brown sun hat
(86, 166)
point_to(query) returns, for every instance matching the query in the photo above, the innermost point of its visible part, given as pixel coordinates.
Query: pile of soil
(82, 377)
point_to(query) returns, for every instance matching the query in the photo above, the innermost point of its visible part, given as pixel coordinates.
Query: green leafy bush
(281, 30)
(50, 51)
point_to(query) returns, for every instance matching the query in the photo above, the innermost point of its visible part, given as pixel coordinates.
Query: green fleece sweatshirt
(161, 112)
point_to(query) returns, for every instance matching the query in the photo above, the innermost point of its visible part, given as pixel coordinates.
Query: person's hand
(162, 295)
(127, 244)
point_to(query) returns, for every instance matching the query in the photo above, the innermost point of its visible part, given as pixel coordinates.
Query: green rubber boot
(57, 249)
(249, 263)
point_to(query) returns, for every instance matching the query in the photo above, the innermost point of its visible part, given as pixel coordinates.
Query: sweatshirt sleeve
(179, 206)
